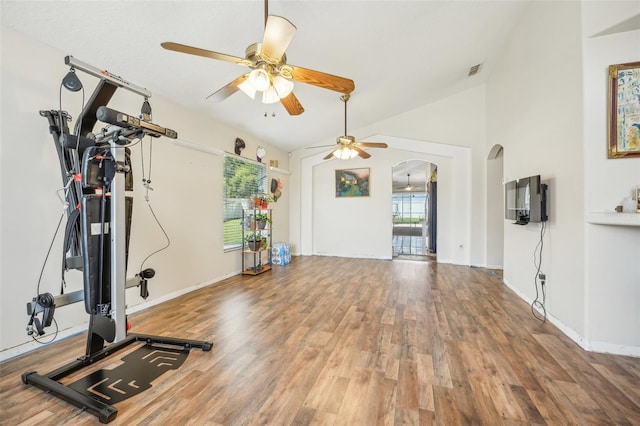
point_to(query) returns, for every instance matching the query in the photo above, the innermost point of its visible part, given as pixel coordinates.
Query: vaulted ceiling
(400, 54)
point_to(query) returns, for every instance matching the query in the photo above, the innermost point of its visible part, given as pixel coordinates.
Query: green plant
(255, 241)
(263, 217)
(268, 198)
(254, 238)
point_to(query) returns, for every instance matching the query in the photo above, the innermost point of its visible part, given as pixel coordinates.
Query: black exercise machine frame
(110, 325)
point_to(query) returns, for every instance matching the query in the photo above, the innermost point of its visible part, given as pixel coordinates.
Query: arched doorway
(414, 210)
(495, 208)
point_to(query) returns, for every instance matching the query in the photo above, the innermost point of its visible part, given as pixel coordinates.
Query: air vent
(474, 69)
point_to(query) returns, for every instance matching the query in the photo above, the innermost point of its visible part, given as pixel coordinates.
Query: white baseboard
(72, 331)
(600, 347)
(170, 296)
(33, 345)
(610, 348)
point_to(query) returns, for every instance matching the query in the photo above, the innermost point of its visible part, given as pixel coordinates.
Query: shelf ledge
(614, 218)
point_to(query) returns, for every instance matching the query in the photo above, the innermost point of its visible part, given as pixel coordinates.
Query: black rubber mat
(135, 375)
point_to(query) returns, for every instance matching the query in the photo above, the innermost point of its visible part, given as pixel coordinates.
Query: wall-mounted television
(525, 200)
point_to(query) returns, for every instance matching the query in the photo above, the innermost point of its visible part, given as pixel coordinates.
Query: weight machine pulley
(96, 173)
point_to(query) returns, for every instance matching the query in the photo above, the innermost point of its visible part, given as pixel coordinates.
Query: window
(243, 179)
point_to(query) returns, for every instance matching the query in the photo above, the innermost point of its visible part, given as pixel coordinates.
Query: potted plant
(257, 200)
(265, 200)
(255, 241)
(262, 219)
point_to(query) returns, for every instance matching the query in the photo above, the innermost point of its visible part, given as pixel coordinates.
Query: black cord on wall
(539, 303)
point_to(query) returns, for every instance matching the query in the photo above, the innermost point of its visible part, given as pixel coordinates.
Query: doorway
(495, 208)
(413, 208)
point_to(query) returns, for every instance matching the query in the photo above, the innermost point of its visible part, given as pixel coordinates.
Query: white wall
(546, 105)
(186, 197)
(612, 273)
(442, 133)
(495, 209)
(362, 227)
(534, 107)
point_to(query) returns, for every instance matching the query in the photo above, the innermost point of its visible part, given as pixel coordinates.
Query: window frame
(240, 203)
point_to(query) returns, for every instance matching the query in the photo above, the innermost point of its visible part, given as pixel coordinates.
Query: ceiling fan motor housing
(346, 140)
(255, 59)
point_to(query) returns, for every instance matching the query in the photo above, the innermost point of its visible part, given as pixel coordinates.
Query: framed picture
(352, 182)
(624, 110)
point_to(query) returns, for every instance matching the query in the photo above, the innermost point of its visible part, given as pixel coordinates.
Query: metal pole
(118, 244)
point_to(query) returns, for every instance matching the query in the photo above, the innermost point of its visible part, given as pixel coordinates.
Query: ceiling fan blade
(373, 144)
(183, 48)
(278, 33)
(321, 79)
(319, 146)
(227, 90)
(328, 156)
(292, 104)
(361, 153)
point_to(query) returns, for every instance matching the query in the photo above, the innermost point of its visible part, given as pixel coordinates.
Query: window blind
(243, 179)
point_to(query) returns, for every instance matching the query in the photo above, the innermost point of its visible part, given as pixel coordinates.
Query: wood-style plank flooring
(336, 341)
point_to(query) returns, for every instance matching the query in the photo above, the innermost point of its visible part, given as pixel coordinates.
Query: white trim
(281, 171)
(72, 331)
(610, 348)
(601, 347)
(197, 147)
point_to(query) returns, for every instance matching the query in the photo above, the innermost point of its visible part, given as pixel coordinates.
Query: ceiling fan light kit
(345, 153)
(283, 86)
(259, 79)
(270, 72)
(348, 148)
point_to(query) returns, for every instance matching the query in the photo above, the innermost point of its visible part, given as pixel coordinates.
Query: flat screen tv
(525, 200)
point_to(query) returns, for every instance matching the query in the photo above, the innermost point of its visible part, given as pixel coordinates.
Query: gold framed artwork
(624, 110)
(352, 182)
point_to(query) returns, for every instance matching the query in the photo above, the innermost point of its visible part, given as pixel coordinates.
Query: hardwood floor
(337, 341)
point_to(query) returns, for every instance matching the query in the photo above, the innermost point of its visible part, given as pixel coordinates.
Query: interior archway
(495, 208)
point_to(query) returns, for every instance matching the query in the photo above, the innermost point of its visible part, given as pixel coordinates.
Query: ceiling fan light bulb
(248, 89)
(259, 79)
(340, 154)
(270, 96)
(283, 86)
(345, 153)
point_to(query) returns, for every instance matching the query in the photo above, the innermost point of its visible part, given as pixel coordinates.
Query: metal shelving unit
(256, 241)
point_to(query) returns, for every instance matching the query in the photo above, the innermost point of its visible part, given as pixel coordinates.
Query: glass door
(409, 223)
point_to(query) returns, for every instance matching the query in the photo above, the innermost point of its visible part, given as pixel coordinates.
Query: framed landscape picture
(352, 183)
(624, 110)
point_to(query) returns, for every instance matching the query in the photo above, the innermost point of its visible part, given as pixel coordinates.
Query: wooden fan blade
(373, 144)
(183, 48)
(328, 156)
(361, 153)
(321, 79)
(292, 105)
(227, 90)
(319, 146)
(278, 33)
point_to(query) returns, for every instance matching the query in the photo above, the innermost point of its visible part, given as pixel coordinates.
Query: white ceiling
(400, 54)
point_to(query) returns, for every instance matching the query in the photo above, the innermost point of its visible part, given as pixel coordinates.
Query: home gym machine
(96, 173)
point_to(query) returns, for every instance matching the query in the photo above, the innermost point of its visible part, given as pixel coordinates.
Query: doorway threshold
(416, 257)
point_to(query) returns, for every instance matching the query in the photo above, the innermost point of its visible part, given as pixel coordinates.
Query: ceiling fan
(347, 146)
(270, 72)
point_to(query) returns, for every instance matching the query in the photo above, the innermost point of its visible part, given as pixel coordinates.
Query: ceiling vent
(474, 69)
